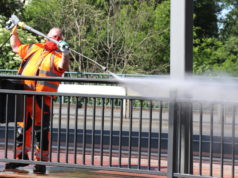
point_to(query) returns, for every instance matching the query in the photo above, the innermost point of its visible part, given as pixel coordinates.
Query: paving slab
(55, 172)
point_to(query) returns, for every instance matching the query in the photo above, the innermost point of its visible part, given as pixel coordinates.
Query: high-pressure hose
(102, 67)
(14, 21)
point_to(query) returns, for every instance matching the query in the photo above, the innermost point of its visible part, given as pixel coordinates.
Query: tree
(124, 36)
(78, 20)
(8, 59)
(136, 37)
(211, 53)
(227, 52)
(206, 20)
(207, 54)
(8, 7)
(230, 24)
(130, 36)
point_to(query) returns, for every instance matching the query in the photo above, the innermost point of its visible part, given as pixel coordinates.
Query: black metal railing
(151, 138)
(82, 74)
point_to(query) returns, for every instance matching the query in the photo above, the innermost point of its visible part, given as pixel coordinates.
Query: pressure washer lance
(14, 20)
(99, 65)
(102, 67)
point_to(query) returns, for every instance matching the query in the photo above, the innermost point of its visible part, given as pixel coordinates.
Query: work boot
(39, 169)
(16, 165)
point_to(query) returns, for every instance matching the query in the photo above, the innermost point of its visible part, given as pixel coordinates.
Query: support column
(181, 38)
(180, 149)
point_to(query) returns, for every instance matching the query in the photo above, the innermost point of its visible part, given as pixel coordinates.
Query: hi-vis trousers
(41, 120)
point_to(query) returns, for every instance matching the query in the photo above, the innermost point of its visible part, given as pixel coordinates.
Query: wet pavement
(61, 172)
(55, 172)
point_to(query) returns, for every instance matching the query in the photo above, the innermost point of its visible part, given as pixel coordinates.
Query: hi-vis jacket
(37, 61)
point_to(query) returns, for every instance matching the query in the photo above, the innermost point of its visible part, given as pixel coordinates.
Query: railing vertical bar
(140, 134)
(59, 129)
(179, 132)
(233, 140)
(211, 141)
(200, 138)
(84, 129)
(190, 161)
(160, 135)
(24, 128)
(120, 133)
(172, 138)
(93, 131)
(51, 127)
(130, 131)
(42, 124)
(149, 136)
(222, 140)
(111, 132)
(102, 131)
(15, 128)
(67, 131)
(33, 128)
(6, 127)
(76, 131)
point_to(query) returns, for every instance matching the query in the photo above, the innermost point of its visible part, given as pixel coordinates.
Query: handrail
(61, 79)
(67, 73)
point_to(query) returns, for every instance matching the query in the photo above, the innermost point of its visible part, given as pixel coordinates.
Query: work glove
(63, 47)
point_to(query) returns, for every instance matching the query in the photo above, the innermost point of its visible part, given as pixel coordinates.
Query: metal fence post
(186, 133)
(180, 150)
(172, 145)
(181, 57)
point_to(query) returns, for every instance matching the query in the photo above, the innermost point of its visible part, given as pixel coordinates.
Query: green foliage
(127, 36)
(8, 59)
(230, 23)
(228, 53)
(41, 15)
(213, 56)
(8, 7)
(206, 55)
(217, 54)
(121, 35)
(79, 21)
(206, 17)
(135, 37)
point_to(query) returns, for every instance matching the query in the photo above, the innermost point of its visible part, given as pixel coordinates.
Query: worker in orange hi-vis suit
(38, 59)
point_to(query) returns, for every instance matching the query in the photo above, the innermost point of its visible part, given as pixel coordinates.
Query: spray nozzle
(12, 22)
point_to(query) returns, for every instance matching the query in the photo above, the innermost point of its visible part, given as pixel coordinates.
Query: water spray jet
(199, 88)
